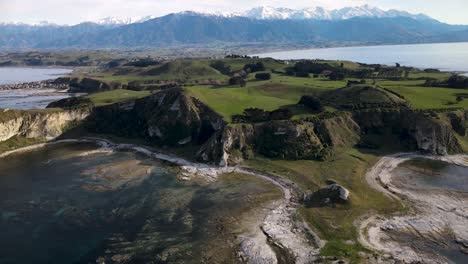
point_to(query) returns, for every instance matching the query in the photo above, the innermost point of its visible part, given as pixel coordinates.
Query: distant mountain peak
(110, 21)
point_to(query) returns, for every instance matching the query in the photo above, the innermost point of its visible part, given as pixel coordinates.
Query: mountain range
(363, 24)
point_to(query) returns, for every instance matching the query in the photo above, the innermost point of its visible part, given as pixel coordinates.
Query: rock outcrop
(280, 139)
(174, 118)
(169, 118)
(87, 85)
(331, 194)
(427, 132)
(38, 124)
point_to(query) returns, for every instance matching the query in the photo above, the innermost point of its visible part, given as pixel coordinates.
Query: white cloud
(74, 11)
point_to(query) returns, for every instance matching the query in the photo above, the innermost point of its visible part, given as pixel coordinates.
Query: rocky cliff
(430, 132)
(87, 85)
(281, 139)
(38, 124)
(176, 119)
(167, 118)
(173, 118)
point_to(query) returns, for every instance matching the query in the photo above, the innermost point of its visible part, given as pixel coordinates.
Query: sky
(75, 11)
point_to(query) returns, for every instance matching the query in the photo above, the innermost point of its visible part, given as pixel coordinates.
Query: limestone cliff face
(280, 139)
(30, 124)
(170, 117)
(431, 133)
(459, 122)
(174, 118)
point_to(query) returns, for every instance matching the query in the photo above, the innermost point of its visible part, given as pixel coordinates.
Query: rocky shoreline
(439, 217)
(281, 230)
(40, 85)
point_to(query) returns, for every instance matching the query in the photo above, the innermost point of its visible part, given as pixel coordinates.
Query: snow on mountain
(109, 21)
(321, 13)
(267, 13)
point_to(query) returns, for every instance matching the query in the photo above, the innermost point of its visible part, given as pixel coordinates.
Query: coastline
(302, 53)
(433, 217)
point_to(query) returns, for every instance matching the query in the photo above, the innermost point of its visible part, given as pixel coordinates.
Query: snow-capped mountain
(121, 21)
(264, 13)
(320, 13)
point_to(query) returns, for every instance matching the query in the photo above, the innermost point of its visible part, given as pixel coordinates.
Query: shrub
(336, 76)
(237, 80)
(254, 67)
(311, 102)
(221, 67)
(255, 115)
(263, 76)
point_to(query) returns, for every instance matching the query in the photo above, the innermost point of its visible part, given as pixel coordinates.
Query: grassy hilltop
(203, 81)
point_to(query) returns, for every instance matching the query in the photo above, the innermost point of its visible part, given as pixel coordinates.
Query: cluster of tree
(254, 67)
(146, 62)
(432, 70)
(394, 72)
(455, 81)
(305, 68)
(221, 67)
(237, 80)
(255, 115)
(311, 102)
(336, 76)
(263, 76)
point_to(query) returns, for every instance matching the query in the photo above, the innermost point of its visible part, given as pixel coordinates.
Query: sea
(29, 99)
(442, 56)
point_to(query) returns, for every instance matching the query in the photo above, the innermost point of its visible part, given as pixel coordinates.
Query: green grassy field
(426, 97)
(268, 95)
(280, 91)
(115, 96)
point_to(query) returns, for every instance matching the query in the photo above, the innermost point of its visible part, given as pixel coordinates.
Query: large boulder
(329, 195)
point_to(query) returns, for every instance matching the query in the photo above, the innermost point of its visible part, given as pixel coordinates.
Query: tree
(263, 76)
(237, 80)
(221, 67)
(311, 102)
(336, 76)
(254, 67)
